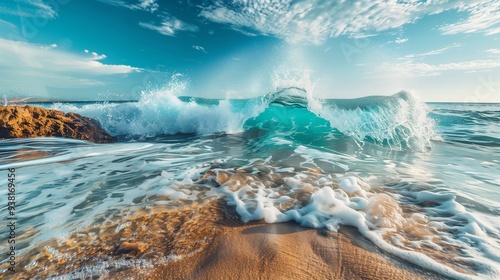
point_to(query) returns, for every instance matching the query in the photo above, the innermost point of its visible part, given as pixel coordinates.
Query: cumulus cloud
(169, 26)
(314, 21)
(96, 56)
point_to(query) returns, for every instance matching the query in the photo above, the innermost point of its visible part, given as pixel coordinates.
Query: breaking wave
(398, 122)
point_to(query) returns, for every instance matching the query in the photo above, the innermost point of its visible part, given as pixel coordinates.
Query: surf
(398, 122)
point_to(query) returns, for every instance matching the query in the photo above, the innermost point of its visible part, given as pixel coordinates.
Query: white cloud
(493, 51)
(413, 68)
(148, 5)
(413, 64)
(46, 47)
(314, 21)
(169, 26)
(162, 29)
(52, 66)
(120, 3)
(492, 31)
(484, 17)
(29, 9)
(39, 70)
(433, 52)
(199, 48)
(97, 56)
(401, 40)
(145, 5)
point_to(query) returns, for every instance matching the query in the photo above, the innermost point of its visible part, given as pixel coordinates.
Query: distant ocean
(419, 180)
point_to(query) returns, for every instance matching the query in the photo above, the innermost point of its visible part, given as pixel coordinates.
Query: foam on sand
(207, 241)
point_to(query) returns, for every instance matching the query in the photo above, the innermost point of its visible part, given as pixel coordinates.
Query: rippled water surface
(419, 180)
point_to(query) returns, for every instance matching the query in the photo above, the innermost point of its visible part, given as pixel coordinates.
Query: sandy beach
(264, 139)
(288, 251)
(208, 241)
(258, 250)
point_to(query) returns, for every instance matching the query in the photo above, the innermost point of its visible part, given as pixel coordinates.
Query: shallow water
(420, 181)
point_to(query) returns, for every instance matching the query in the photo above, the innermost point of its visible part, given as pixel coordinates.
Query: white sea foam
(424, 208)
(161, 112)
(86, 185)
(398, 122)
(377, 216)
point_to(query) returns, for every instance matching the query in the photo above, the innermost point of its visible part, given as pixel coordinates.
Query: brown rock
(30, 121)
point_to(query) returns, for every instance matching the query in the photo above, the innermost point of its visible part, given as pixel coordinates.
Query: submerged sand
(208, 241)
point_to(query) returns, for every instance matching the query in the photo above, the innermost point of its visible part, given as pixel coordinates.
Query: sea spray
(437, 210)
(398, 122)
(162, 112)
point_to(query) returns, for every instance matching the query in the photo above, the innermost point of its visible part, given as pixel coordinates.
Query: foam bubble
(399, 121)
(313, 201)
(161, 112)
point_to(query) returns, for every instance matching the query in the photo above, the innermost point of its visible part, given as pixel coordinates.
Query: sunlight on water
(400, 175)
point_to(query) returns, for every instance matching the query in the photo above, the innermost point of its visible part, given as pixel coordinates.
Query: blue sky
(115, 49)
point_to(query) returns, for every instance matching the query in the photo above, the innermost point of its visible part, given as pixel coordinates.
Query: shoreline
(208, 241)
(284, 251)
(214, 248)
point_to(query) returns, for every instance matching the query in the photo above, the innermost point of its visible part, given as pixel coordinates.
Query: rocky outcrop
(30, 121)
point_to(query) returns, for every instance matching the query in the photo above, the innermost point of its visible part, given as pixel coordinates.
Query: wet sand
(258, 250)
(288, 251)
(212, 243)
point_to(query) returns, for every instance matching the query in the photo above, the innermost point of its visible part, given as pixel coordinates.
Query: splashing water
(398, 122)
(284, 156)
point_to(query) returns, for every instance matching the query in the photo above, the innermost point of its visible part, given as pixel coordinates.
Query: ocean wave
(473, 124)
(398, 122)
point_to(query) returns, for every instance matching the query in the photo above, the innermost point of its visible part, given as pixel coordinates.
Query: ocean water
(420, 181)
